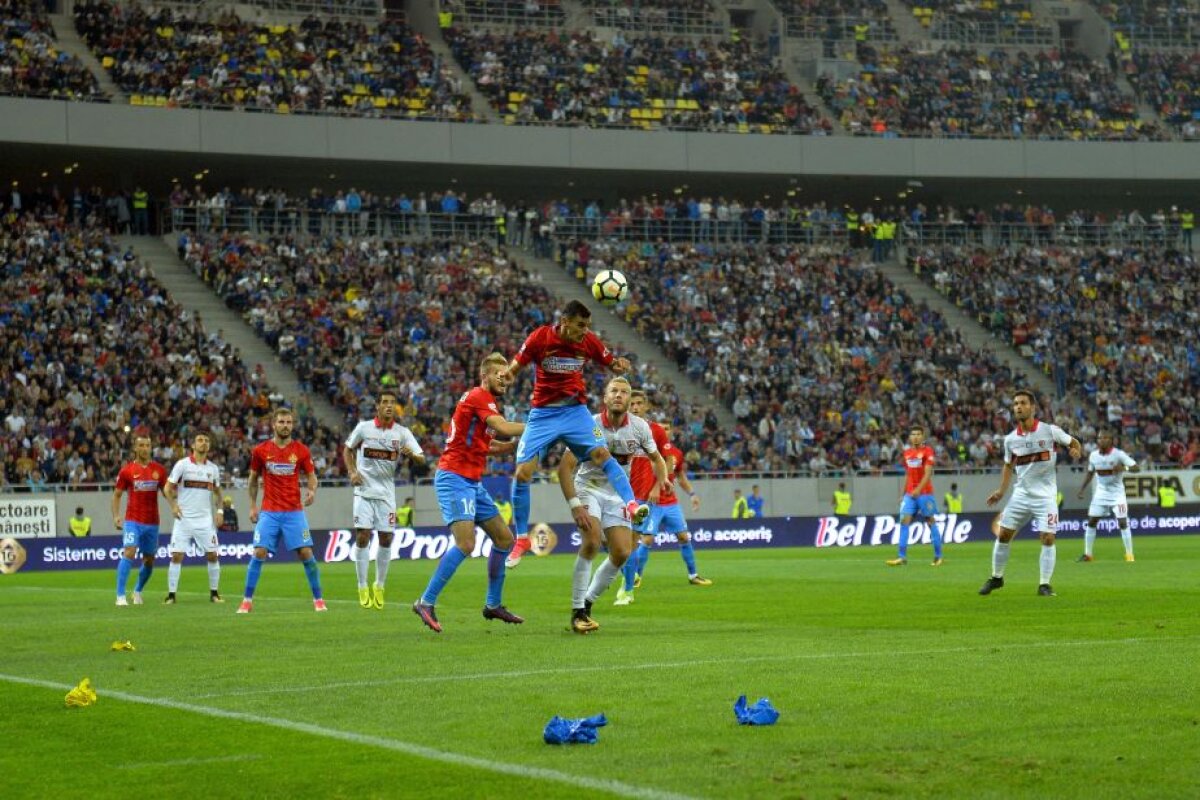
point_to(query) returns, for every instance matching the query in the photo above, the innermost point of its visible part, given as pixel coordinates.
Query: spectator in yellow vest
(80, 525)
(141, 212)
(404, 514)
(1187, 224)
(954, 500)
(842, 500)
(1166, 496)
(741, 509)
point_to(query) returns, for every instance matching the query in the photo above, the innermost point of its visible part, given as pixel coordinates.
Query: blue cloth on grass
(573, 731)
(761, 713)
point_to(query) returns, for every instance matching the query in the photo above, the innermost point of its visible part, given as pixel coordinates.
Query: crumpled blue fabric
(573, 731)
(761, 713)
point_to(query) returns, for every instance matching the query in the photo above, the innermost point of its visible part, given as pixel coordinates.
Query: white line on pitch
(420, 751)
(190, 762)
(693, 663)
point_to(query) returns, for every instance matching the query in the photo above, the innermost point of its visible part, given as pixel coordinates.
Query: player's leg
(579, 431)
(296, 537)
(180, 537)
(620, 544)
(213, 562)
(1095, 512)
(267, 532)
(502, 541)
(929, 511)
(457, 502)
(1121, 512)
(360, 553)
(148, 546)
(1016, 514)
(589, 546)
(125, 563)
(383, 520)
(907, 508)
(541, 431)
(1046, 524)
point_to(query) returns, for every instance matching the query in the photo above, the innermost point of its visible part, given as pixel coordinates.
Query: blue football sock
(630, 571)
(442, 575)
(645, 556)
(903, 540)
(495, 590)
(252, 574)
(143, 575)
(124, 567)
(935, 533)
(314, 577)
(618, 480)
(689, 557)
(520, 504)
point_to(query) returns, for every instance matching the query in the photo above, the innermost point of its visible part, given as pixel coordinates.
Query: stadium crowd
(160, 56)
(652, 81)
(959, 91)
(1153, 21)
(1115, 323)
(93, 349)
(31, 63)
(1001, 21)
(1170, 82)
(655, 16)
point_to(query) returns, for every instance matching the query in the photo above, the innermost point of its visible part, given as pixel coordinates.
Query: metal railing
(509, 13)
(838, 29)
(1161, 36)
(993, 32)
(1065, 234)
(651, 19)
(356, 9)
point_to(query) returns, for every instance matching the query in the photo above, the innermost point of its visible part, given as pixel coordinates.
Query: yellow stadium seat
(360, 89)
(160, 101)
(135, 99)
(743, 127)
(283, 108)
(380, 102)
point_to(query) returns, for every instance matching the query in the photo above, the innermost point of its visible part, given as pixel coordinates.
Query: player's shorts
(1022, 509)
(571, 424)
(1103, 506)
(373, 514)
(604, 504)
(924, 506)
(462, 498)
(667, 519)
(291, 526)
(186, 531)
(140, 535)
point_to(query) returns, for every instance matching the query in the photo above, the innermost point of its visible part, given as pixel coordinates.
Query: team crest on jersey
(293, 458)
(599, 434)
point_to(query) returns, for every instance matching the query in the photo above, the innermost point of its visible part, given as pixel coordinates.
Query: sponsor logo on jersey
(279, 468)
(915, 462)
(562, 365)
(373, 452)
(145, 486)
(198, 485)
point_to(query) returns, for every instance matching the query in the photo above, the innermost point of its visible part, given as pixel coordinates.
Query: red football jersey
(674, 458)
(641, 473)
(467, 444)
(280, 468)
(915, 461)
(560, 364)
(143, 484)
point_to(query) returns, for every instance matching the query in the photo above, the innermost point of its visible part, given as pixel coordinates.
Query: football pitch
(892, 682)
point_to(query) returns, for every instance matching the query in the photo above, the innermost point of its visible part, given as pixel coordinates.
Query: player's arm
(659, 465)
(1128, 464)
(566, 483)
(170, 490)
(514, 369)
(509, 430)
(310, 491)
(1073, 445)
(252, 489)
(1086, 481)
(116, 507)
(350, 459)
(686, 484)
(926, 481)
(1005, 479)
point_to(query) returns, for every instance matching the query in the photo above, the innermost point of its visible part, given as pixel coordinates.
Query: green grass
(891, 682)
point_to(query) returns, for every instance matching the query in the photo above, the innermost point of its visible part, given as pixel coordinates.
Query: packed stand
(820, 358)
(990, 21)
(1170, 82)
(961, 92)
(533, 77)
(535, 13)
(1116, 324)
(837, 20)
(95, 350)
(31, 63)
(656, 16)
(166, 58)
(1154, 22)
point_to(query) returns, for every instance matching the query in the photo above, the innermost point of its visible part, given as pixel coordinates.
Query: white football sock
(214, 575)
(1049, 553)
(1127, 540)
(383, 558)
(1000, 558)
(362, 563)
(1089, 539)
(579, 581)
(173, 576)
(603, 578)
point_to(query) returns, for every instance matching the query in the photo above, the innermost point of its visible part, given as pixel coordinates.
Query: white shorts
(603, 504)
(372, 514)
(1022, 509)
(186, 531)
(1103, 506)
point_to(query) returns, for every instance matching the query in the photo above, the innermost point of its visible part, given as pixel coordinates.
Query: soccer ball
(610, 287)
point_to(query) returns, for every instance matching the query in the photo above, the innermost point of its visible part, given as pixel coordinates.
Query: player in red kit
(280, 461)
(918, 500)
(560, 411)
(464, 501)
(143, 479)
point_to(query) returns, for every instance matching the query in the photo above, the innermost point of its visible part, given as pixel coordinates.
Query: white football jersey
(1032, 457)
(196, 485)
(378, 451)
(1110, 484)
(631, 439)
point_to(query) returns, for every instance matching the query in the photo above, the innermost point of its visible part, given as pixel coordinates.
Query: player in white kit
(1030, 454)
(597, 508)
(1107, 465)
(371, 453)
(194, 491)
